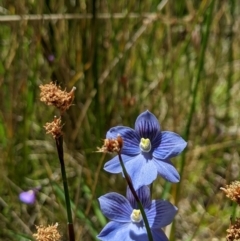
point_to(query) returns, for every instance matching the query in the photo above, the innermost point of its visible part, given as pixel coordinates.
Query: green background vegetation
(178, 59)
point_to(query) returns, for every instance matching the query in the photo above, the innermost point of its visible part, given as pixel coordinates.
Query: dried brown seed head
(232, 191)
(54, 128)
(112, 145)
(49, 233)
(51, 94)
(233, 232)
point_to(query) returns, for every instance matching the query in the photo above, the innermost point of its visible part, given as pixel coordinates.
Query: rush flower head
(146, 151)
(232, 191)
(54, 127)
(233, 232)
(112, 145)
(28, 197)
(51, 94)
(126, 221)
(49, 233)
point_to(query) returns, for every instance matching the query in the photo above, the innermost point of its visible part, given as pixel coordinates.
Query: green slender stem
(234, 212)
(194, 99)
(129, 181)
(196, 84)
(230, 60)
(59, 144)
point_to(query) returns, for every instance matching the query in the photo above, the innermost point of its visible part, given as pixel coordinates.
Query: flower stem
(59, 144)
(200, 69)
(129, 181)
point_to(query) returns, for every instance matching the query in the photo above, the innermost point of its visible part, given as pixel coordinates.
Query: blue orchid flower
(126, 221)
(28, 197)
(146, 151)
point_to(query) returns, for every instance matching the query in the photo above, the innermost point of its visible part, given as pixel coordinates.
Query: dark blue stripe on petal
(156, 141)
(161, 213)
(115, 207)
(171, 145)
(147, 125)
(144, 196)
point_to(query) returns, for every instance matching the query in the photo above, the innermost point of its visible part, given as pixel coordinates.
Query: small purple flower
(28, 197)
(126, 221)
(146, 151)
(51, 57)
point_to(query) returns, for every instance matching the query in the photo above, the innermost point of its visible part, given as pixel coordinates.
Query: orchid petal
(110, 204)
(114, 231)
(159, 235)
(113, 166)
(171, 145)
(161, 213)
(138, 232)
(166, 170)
(141, 172)
(28, 197)
(147, 125)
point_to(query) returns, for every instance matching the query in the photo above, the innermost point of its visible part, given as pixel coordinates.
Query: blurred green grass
(162, 60)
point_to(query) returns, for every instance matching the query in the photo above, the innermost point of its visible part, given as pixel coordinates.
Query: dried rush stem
(59, 144)
(129, 181)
